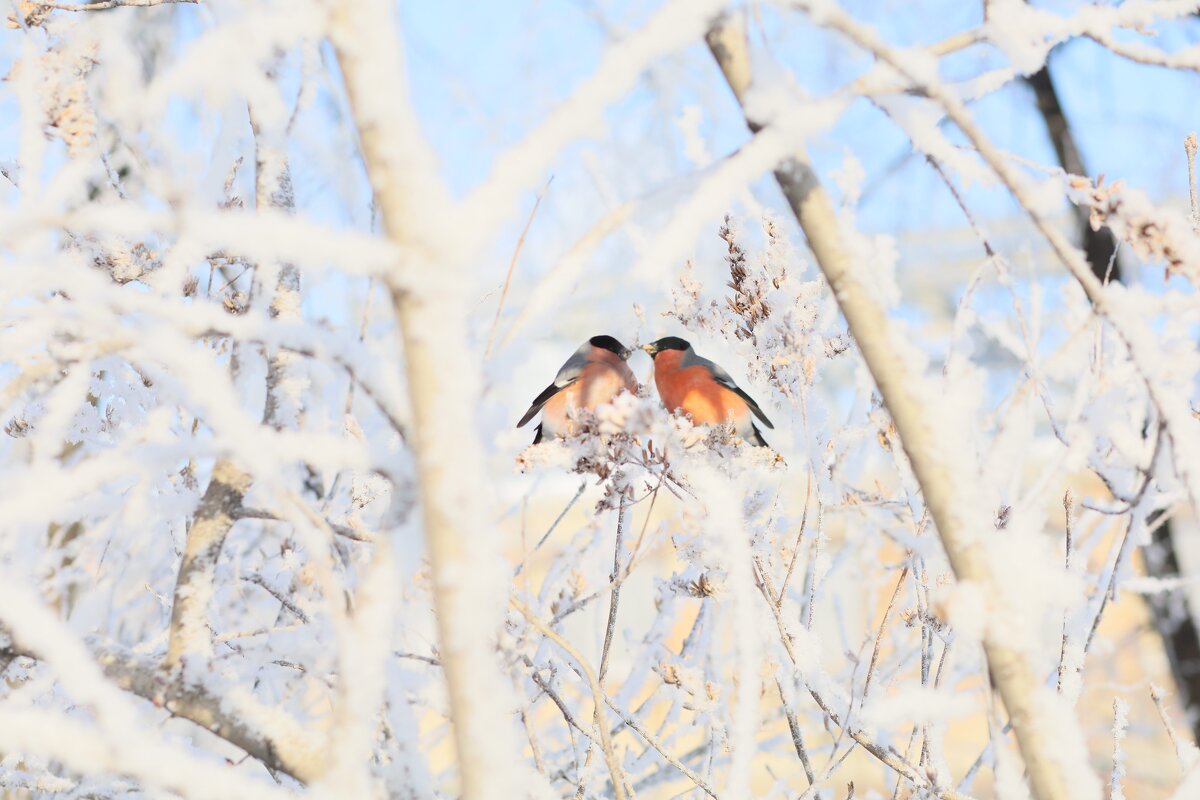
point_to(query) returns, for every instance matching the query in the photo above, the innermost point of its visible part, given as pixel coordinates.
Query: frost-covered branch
(273, 190)
(673, 26)
(93, 679)
(912, 411)
(189, 643)
(417, 215)
(886, 755)
(104, 5)
(280, 742)
(1110, 302)
(610, 758)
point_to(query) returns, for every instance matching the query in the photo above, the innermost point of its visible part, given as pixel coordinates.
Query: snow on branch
(94, 679)
(467, 580)
(943, 487)
(190, 643)
(1113, 303)
(676, 24)
(103, 5)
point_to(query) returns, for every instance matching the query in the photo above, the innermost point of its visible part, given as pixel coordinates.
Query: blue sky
(482, 74)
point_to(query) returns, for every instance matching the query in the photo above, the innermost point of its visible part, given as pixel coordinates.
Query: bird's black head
(610, 344)
(666, 343)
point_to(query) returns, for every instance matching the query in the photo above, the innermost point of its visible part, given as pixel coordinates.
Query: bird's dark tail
(537, 438)
(756, 438)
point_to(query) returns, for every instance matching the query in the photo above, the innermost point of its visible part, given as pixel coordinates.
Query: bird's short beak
(650, 349)
(626, 353)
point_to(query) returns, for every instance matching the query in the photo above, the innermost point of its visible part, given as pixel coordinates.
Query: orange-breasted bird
(690, 383)
(592, 376)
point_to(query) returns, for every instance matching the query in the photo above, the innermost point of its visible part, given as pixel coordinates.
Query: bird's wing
(725, 379)
(567, 374)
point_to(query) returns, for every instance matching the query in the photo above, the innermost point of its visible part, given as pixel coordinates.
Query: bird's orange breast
(598, 383)
(694, 391)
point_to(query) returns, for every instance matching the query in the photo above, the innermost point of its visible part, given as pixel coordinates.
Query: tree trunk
(1172, 617)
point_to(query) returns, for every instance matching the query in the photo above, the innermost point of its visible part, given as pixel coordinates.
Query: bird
(592, 376)
(692, 384)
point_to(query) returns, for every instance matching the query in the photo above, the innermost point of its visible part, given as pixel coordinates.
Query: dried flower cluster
(32, 14)
(787, 326)
(1153, 233)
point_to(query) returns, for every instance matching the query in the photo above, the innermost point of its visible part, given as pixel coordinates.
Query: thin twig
(417, 657)
(887, 756)
(555, 698)
(546, 535)
(259, 580)
(799, 538)
(533, 745)
(637, 545)
(104, 5)
(345, 531)
(651, 740)
(598, 698)
(1069, 507)
(1110, 591)
(1157, 694)
(879, 635)
(615, 597)
(1000, 264)
(797, 737)
(392, 417)
(615, 580)
(511, 265)
(813, 566)
(1189, 146)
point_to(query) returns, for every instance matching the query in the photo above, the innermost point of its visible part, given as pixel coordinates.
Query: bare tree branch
(189, 635)
(104, 5)
(285, 745)
(1099, 244)
(598, 698)
(417, 213)
(268, 735)
(918, 432)
(273, 189)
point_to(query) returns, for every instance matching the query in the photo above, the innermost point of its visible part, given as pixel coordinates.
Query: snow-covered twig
(598, 697)
(1116, 790)
(104, 5)
(1190, 146)
(909, 409)
(1185, 752)
(1069, 509)
(653, 741)
(614, 596)
(879, 636)
(1188, 58)
(272, 737)
(797, 735)
(512, 264)
(886, 755)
